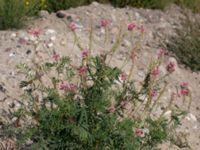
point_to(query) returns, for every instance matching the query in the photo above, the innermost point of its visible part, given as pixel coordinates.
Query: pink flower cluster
(72, 26)
(82, 71)
(155, 72)
(184, 89)
(34, 32)
(132, 26)
(153, 93)
(70, 87)
(161, 53)
(85, 54)
(141, 132)
(111, 109)
(123, 77)
(170, 67)
(104, 23)
(56, 57)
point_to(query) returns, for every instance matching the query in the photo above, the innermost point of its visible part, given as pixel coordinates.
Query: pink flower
(133, 56)
(56, 57)
(82, 71)
(155, 71)
(72, 87)
(141, 28)
(123, 77)
(184, 92)
(111, 109)
(34, 32)
(139, 132)
(68, 87)
(72, 26)
(184, 85)
(184, 89)
(170, 67)
(153, 93)
(104, 23)
(85, 53)
(161, 53)
(131, 26)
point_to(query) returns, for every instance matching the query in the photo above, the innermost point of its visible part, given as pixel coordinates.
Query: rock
(53, 38)
(12, 54)
(2, 89)
(49, 45)
(43, 13)
(95, 4)
(69, 18)
(50, 31)
(13, 35)
(61, 14)
(28, 52)
(191, 117)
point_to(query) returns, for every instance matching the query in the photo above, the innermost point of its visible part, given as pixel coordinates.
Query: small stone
(191, 117)
(127, 43)
(12, 105)
(26, 38)
(13, 35)
(49, 45)
(8, 49)
(62, 42)
(43, 13)
(60, 14)
(12, 54)
(33, 38)
(2, 89)
(53, 38)
(50, 31)
(69, 18)
(95, 4)
(28, 51)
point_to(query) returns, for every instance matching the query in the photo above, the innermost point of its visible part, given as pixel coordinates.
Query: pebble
(13, 35)
(95, 4)
(53, 38)
(191, 117)
(28, 52)
(12, 54)
(43, 13)
(49, 45)
(69, 18)
(50, 31)
(2, 89)
(60, 14)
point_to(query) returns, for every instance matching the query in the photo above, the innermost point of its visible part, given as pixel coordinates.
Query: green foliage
(155, 4)
(194, 5)
(186, 46)
(13, 13)
(82, 119)
(53, 5)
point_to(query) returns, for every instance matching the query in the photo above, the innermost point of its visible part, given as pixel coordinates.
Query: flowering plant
(95, 105)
